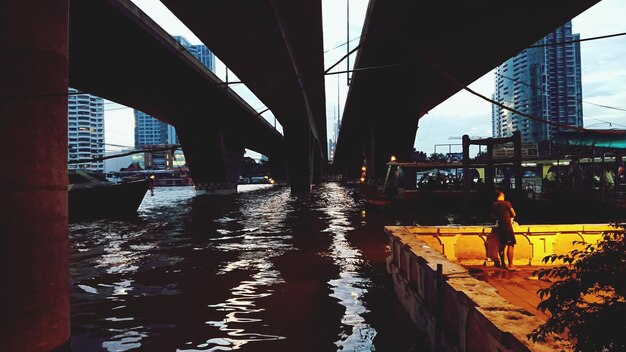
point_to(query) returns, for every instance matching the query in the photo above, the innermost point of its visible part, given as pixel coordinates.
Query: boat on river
(91, 195)
(425, 185)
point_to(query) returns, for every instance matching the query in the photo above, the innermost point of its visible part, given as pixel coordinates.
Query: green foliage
(587, 300)
(250, 168)
(437, 157)
(419, 156)
(481, 156)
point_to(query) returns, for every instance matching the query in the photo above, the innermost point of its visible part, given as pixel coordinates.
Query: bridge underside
(275, 47)
(414, 55)
(138, 68)
(134, 62)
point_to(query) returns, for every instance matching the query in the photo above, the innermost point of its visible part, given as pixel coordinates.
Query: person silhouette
(504, 214)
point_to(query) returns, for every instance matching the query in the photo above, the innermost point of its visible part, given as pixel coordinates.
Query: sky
(603, 82)
(603, 77)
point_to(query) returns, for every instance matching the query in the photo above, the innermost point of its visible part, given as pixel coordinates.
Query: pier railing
(478, 244)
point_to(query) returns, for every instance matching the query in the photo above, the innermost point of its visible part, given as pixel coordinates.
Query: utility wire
(326, 72)
(342, 58)
(68, 94)
(115, 145)
(587, 116)
(577, 40)
(113, 109)
(342, 44)
(43, 95)
(238, 82)
(369, 68)
(302, 76)
(604, 106)
(543, 90)
(101, 158)
(466, 88)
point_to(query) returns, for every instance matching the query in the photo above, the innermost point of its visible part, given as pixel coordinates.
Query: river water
(263, 271)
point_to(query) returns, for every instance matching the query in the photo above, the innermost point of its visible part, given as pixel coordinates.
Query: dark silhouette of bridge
(137, 63)
(413, 55)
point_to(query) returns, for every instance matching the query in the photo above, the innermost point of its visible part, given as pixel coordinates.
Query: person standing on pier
(505, 213)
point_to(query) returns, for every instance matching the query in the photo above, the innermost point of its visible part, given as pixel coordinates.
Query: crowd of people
(577, 179)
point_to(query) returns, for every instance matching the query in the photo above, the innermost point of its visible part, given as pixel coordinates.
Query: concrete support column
(373, 169)
(351, 169)
(34, 299)
(214, 158)
(299, 158)
(317, 162)
(387, 141)
(278, 166)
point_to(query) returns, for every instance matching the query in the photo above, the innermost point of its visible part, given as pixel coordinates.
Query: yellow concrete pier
(478, 244)
(462, 311)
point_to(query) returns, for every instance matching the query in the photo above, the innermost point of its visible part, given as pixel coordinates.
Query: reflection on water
(262, 271)
(256, 238)
(350, 287)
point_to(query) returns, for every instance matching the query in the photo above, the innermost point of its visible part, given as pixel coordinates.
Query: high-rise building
(85, 130)
(201, 52)
(149, 130)
(543, 81)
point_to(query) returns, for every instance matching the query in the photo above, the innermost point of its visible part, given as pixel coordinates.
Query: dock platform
(445, 278)
(518, 287)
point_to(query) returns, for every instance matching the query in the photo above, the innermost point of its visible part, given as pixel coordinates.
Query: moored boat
(424, 186)
(90, 195)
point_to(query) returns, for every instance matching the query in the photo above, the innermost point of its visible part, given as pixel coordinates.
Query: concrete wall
(474, 317)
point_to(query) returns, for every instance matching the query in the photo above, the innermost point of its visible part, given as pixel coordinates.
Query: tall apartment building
(542, 81)
(85, 130)
(150, 131)
(201, 52)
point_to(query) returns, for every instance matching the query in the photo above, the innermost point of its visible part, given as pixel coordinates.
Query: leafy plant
(437, 157)
(587, 299)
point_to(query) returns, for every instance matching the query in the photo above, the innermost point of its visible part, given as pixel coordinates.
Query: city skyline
(602, 74)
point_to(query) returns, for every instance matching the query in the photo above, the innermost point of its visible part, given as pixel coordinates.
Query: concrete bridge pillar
(214, 158)
(299, 154)
(34, 271)
(386, 141)
(350, 168)
(278, 165)
(317, 169)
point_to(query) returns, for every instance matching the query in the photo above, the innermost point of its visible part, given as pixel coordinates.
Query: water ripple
(263, 240)
(350, 286)
(191, 275)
